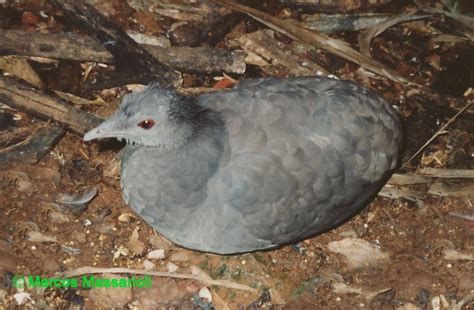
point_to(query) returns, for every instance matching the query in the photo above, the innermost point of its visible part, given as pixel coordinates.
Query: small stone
(148, 265)
(171, 267)
(22, 298)
(436, 303)
(205, 293)
(156, 254)
(126, 217)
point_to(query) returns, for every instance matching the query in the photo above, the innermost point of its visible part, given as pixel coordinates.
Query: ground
(397, 253)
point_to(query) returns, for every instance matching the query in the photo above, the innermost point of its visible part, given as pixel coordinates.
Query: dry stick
(438, 133)
(469, 298)
(345, 22)
(366, 36)
(83, 48)
(395, 193)
(210, 30)
(25, 98)
(33, 148)
(442, 190)
(446, 173)
(92, 270)
(426, 175)
(408, 179)
(466, 20)
(337, 47)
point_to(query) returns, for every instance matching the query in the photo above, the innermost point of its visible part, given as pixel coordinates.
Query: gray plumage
(271, 162)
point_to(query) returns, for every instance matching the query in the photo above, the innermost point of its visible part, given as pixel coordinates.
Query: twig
(466, 20)
(395, 193)
(447, 173)
(209, 31)
(408, 179)
(92, 270)
(366, 37)
(83, 48)
(34, 147)
(442, 190)
(333, 23)
(458, 306)
(426, 175)
(469, 217)
(25, 98)
(437, 133)
(336, 6)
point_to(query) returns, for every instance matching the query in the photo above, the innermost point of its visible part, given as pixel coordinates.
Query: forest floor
(412, 251)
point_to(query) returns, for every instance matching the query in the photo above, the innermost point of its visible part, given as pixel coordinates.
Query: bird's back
(304, 155)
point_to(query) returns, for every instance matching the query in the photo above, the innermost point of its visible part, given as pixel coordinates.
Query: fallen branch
(27, 99)
(92, 270)
(366, 37)
(83, 48)
(426, 175)
(214, 26)
(446, 173)
(334, 6)
(466, 20)
(469, 217)
(34, 147)
(345, 22)
(395, 193)
(408, 179)
(460, 304)
(442, 190)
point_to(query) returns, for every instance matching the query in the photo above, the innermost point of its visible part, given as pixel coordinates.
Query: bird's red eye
(146, 124)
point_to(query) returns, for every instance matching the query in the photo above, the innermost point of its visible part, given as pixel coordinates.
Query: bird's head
(153, 117)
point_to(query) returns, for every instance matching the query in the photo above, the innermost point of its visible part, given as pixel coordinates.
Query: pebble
(22, 298)
(148, 265)
(157, 254)
(171, 267)
(205, 293)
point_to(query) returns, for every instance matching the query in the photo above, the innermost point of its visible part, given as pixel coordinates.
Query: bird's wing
(300, 151)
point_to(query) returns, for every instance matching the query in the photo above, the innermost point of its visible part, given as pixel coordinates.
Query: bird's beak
(108, 129)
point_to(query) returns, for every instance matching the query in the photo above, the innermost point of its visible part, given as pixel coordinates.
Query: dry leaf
(20, 67)
(134, 244)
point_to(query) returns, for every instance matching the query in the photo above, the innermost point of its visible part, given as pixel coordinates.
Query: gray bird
(268, 163)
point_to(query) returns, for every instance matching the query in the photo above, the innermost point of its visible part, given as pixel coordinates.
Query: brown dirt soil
(423, 251)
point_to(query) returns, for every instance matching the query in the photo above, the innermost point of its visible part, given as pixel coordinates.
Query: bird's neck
(203, 143)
